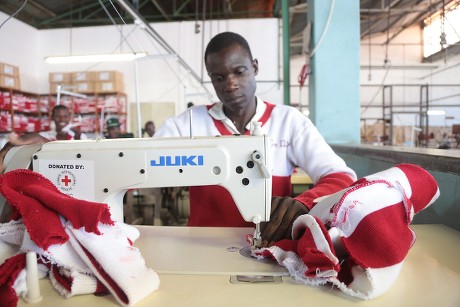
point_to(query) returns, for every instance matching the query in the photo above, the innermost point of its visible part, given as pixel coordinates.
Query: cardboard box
(64, 86)
(9, 70)
(85, 87)
(10, 82)
(60, 77)
(109, 87)
(110, 75)
(83, 76)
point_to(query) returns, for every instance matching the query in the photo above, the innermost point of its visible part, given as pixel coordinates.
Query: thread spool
(33, 294)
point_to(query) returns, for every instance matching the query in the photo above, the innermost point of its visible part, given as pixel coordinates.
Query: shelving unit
(91, 111)
(28, 112)
(91, 96)
(22, 111)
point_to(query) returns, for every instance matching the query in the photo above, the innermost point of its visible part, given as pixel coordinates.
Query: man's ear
(255, 65)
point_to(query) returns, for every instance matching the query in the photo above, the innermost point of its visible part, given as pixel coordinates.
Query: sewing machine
(103, 170)
(203, 263)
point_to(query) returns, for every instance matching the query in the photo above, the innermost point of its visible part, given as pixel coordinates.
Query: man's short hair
(57, 108)
(224, 40)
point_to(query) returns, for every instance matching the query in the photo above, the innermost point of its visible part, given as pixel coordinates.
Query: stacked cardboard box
(64, 79)
(88, 82)
(9, 76)
(109, 82)
(84, 81)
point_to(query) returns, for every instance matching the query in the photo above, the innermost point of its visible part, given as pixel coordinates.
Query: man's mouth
(233, 98)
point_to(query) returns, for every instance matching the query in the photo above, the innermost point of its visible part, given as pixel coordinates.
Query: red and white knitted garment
(357, 239)
(76, 241)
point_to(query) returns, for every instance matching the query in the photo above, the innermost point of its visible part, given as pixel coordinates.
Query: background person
(64, 129)
(149, 128)
(113, 128)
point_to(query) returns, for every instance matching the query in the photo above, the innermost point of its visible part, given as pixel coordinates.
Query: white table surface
(195, 269)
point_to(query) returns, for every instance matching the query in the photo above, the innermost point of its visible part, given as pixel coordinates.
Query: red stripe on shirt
(223, 129)
(204, 209)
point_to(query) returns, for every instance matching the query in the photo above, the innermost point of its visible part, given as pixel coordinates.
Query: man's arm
(327, 185)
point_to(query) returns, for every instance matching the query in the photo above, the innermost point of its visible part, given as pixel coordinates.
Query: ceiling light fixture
(111, 57)
(436, 112)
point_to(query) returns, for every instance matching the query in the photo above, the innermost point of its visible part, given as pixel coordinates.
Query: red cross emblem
(66, 180)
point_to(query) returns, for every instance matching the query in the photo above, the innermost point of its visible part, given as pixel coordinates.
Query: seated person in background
(113, 128)
(114, 131)
(64, 129)
(445, 142)
(432, 143)
(295, 142)
(149, 128)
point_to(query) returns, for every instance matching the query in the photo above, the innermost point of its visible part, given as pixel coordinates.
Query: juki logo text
(178, 161)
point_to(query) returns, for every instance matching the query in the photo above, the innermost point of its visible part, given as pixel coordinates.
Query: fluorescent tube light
(436, 112)
(111, 57)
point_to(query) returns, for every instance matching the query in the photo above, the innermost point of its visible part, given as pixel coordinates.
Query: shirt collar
(217, 112)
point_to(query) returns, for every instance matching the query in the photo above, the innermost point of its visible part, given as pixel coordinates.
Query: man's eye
(217, 78)
(241, 71)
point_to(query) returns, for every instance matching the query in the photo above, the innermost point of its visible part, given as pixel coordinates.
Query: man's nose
(232, 83)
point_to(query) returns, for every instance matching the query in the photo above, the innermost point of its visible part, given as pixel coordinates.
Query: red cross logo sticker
(66, 180)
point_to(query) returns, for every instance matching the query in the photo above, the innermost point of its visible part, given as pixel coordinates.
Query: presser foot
(257, 238)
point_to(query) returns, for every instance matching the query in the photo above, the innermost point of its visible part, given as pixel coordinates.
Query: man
(113, 128)
(64, 129)
(149, 128)
(295, 142)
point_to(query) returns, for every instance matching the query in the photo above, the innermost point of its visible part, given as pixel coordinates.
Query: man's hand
(285, 210)
(77, 132)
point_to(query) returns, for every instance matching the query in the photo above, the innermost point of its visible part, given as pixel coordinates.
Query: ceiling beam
(93, 13)
(160, 9)
(414, 20)
(42, 8)
(179, 9)
(63, 16)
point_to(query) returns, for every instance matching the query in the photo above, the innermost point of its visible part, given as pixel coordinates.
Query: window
(435, 26)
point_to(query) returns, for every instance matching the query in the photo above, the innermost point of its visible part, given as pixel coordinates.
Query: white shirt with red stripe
(295, 142)
(52, 135)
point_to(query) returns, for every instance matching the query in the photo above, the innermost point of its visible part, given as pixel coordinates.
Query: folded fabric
(358, 238)
(70, 282)
(34, 198)
(10, 270)
(84, 250)
(11, 235)
(119, 265)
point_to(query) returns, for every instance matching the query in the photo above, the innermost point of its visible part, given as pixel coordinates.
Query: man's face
(150, 129)
(61, 118)
(113, 132)
(233, 73)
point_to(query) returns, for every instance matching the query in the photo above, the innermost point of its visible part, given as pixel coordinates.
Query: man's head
(224, 40)
(150, 128)
(61, 116)
(113, 128)
(232, 70)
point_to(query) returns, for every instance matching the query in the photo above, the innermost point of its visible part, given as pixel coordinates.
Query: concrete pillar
(334, 85)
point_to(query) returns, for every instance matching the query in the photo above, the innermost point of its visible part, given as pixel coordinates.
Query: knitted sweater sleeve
(327, 185)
